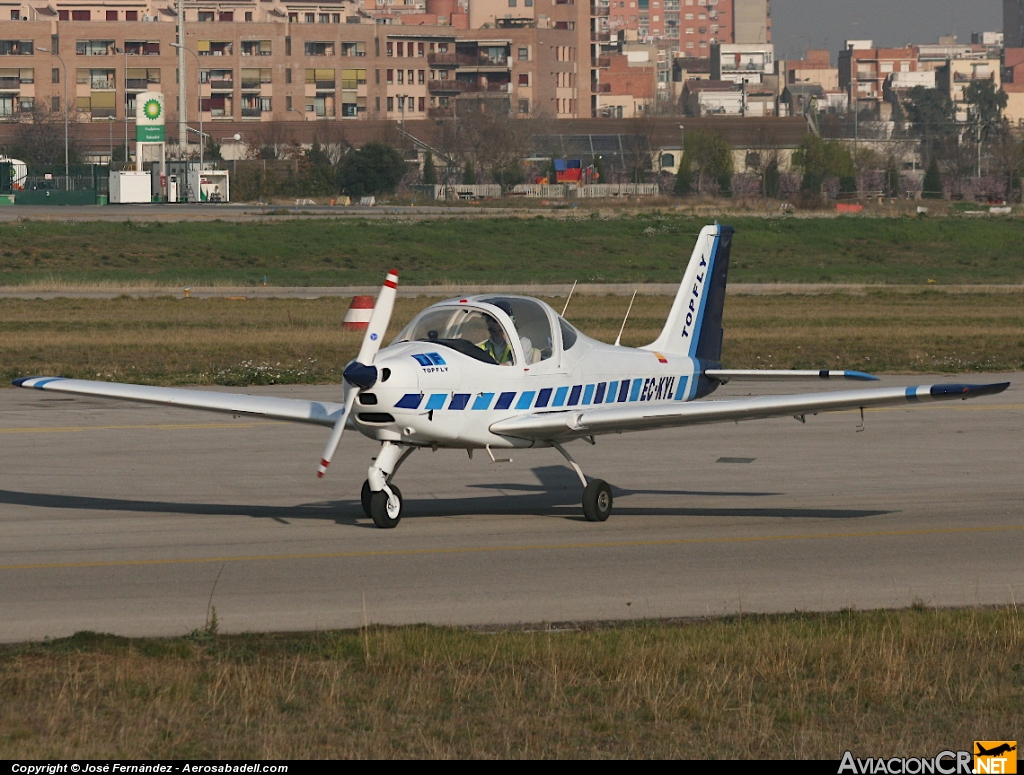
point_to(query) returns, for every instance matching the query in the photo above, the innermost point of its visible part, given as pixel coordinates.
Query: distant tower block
(358, 316)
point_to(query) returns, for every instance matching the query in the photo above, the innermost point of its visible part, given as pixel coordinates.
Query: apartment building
(266, 61)
(863, 70)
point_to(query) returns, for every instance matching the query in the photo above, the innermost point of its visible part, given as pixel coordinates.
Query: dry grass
(220, 341)
(798, 686)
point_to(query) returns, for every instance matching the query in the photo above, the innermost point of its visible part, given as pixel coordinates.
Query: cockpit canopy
(485, 328)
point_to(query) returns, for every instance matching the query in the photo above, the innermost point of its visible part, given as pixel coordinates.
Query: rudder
(694, 325)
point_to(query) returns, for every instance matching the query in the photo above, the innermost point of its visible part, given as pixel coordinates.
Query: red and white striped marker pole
(359, 312)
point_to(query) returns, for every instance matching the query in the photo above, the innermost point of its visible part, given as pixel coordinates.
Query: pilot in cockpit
(497, 345)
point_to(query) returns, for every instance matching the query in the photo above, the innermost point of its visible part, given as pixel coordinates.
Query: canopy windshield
(471, 331)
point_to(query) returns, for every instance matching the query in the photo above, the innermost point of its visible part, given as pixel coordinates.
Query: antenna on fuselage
(569, 297)
(623, 328)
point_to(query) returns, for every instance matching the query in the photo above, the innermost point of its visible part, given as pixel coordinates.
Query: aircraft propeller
(361, 374)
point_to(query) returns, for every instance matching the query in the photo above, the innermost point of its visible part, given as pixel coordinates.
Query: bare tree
(494, 140)
(1007, 152)
(333, 140)
(638, 148)
(272, 140)
(38, 136)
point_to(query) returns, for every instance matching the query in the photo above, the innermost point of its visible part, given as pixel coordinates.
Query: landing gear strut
(382, 501)
(597, 495)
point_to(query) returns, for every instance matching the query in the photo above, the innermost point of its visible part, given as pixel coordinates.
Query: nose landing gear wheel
(384, 511)
(597, 500)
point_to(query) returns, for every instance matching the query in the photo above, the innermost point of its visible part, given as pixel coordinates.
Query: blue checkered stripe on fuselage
(639, 389)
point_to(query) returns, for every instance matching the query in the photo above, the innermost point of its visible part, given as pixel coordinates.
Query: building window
(336, 18)
(111, 16)
(524, 54)
(421, 76)
(55, 75)
(524, 106)
(287, 75)
(422, 103)
(524, 79)
(227, 16)
(248, 16)
(391, 76)
(391, 104)
(206, 16)
(288, 45)
(309, 18)
(94, 47)
(511, 3)
(81, 16)
(401, 49)
(319, 48)
(324, 18)
(288, 103)
(389, 49)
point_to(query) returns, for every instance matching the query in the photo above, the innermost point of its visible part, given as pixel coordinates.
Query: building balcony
(599, 10)
(463, 87)
(600, 37)
(601, 88)
(446, 59)
(448, 86)
(101, 85)
(222, 85)
(10, 84)
(601, 62)
(251, 113)
(250, 85)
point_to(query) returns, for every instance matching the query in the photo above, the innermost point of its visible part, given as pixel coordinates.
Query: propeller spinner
(361, 374)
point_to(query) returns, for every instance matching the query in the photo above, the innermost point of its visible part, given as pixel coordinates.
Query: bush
(374, 169)
(932, 187)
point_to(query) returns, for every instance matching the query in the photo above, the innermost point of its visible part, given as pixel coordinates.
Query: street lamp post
(125, 105)
(199, 80)
(67, 175)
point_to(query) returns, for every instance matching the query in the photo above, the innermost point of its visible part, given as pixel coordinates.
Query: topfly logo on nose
(429, 359)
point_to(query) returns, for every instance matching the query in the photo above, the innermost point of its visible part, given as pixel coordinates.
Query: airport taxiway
(139, 519)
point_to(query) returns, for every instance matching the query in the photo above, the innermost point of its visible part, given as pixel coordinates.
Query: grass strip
(881, 683)
(278, 341)
(652, 247)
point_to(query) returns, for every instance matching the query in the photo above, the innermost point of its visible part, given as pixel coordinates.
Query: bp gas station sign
(149, 117)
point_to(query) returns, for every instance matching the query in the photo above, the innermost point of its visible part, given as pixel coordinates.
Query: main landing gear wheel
(364, 497)
(384, 511)
(597, 500)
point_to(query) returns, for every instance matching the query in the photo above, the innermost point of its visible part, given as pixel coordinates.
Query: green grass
(646, 248)
(881, 683)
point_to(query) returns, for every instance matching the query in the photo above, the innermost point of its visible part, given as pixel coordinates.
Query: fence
(537, 190)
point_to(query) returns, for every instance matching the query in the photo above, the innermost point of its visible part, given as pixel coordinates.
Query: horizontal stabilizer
(288, 409)
(725, 375)
(619, 418)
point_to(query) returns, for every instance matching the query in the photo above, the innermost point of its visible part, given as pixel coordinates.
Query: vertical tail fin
(694, 325)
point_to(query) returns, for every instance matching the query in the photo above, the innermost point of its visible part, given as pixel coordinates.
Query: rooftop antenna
(569, 297)
(619, 337)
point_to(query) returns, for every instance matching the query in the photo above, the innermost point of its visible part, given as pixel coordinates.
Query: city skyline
(801, 24)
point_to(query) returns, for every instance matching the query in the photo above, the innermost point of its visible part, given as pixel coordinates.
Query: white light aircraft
(499, 372)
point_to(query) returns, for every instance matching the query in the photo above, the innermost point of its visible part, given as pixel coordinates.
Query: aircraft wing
(579, 422)
(290, 409)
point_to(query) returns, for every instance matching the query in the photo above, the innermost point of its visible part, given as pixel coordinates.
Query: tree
(986, 103)
(38, 137)
(772, 179)
(1007, 150)
(684, 176)
(710, 157)
(494, 139)
(931, 115)
(821, 160)
(374, 169)
(429, 171)
(932, 187)
(212, 150)
(469, 174)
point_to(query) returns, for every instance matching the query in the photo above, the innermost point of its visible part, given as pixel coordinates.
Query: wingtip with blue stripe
(967, 391)
(860, 375)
